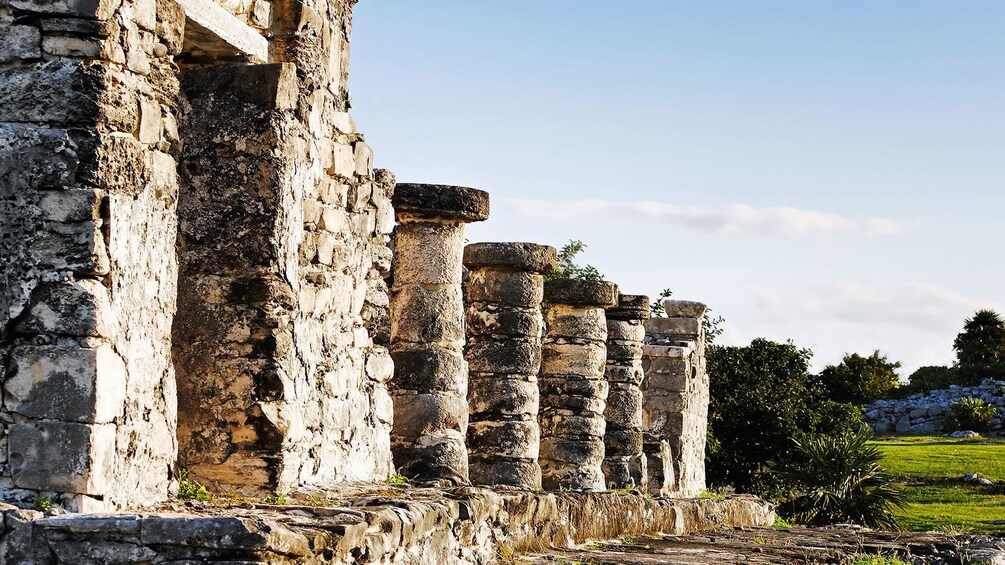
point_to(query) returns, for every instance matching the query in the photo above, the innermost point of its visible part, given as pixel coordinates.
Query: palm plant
(841, 481)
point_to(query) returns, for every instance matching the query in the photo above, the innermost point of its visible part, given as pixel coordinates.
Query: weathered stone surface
(62, 456)
(504, 292)
(574, 292)
(926, 412)
(437, 201)
(461, 525)
(20, 43)
(504, 356)
(430, 368)
(574, 323)
(675, 405)
(416, 415)
(630, 307)
(508, 288)
(531, 257)
(422, 315)
(684, 309)
(585, 359)
(432, 251)
(69, 384)
(69, 308)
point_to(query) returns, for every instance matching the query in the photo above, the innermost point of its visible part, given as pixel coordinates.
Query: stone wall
(284, 230)
(925, 413)
(88, 103)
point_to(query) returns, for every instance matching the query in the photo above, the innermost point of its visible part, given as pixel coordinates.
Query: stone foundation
(466, 525)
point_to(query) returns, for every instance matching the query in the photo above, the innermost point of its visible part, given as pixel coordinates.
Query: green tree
(841, 481)
(569, 269)
(859, 379)
(982, 340)
(764, 400)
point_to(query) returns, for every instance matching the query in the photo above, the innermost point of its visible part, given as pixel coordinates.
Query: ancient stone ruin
(203, 273)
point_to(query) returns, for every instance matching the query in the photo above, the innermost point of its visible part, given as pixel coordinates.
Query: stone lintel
(630, 307)
(684, 308)
(574, 292)
(664, 350)
(440, 202)
(272, 85)
(211, 29)
(518, 256)
(684, 327)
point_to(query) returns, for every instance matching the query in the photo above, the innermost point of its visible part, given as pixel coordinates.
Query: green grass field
(927, 466)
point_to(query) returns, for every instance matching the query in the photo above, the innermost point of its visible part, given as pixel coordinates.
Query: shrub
(763, 399)
(189, 489)
(567, 267)
(931, 378)
(970, 413)
(840, 481)
(859, 379)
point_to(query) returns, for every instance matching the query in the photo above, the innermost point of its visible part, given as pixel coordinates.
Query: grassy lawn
(927, 466)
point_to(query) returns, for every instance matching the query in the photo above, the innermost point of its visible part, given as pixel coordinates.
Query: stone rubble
(925, 413)
(504, 325)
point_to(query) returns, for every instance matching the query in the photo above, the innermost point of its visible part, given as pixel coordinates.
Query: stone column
(675, 406)
(572, 383)
(624, 462)
(430, 381)
(503, 323)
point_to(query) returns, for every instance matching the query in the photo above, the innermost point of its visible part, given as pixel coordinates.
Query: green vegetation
(864, 559)
(936, 501)
(982, 339)
(43, 504)
(278, 499)
(859, 379)
(841, 481)
(397, 479)
(764, 401)
(191, 490)
(713, 325)
(970, 413)
(569, 269)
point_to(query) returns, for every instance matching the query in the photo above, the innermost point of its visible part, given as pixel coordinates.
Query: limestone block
(430, 201)
(20, 43)
(417, 415)
(433, 253)
(623, 351)
(428, 368)
(423, 315)
(503, 356)
(500, 471)
(630, 307)
(70, 384)
(77, 248)
(632, 374)
(61, 456)
(574, 292)
(363, 157)
(585, 359)
(581, 426)
(624, 408)
(674, 326)
(492, 396)
(564, 388)
(484, 319)
(69, 308)
(510, 288)
(508, 439)
(93, 9)
(529, 257)
(75, 205)
(576, 322)
(625, 330)
(684, 308)
(623, 442)
(440, 455)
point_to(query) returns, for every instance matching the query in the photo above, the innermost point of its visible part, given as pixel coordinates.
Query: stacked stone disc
(624, 461)
(504, 326)
(572, 383)
(430, 382)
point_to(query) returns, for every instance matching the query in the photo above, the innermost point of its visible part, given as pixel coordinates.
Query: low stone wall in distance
(925, 413)
(382, 525)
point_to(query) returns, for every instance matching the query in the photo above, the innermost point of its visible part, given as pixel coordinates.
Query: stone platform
(380, 524)
(782, 545)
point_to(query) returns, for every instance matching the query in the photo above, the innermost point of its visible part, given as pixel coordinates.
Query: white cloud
(731, 220)
(921, 306)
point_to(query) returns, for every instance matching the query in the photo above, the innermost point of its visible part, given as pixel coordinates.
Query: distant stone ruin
(204, 273)
(926, 412)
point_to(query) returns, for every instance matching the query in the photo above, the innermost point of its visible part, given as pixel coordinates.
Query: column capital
(574, 292)
(518, 256)
(440, 202)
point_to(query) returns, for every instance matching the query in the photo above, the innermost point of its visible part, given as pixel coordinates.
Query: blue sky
(830, 172)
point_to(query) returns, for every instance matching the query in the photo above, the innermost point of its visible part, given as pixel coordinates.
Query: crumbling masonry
(202, 270)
